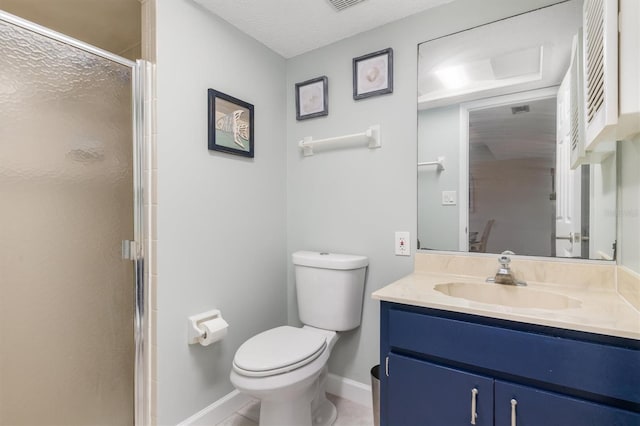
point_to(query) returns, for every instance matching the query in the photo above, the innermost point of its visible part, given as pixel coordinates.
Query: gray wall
(228, 225)
(352, 200)
(629, 206)
(221, 218)
(603, 192)
(438, 135)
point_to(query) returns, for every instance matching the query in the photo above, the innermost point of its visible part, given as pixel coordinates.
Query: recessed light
(454, 77)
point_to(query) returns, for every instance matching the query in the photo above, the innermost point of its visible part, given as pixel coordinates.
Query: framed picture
(230, 124)
(312, 98)
(373, 74)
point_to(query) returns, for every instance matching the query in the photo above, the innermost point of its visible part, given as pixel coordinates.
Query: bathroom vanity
(454, 361)
(443, 368)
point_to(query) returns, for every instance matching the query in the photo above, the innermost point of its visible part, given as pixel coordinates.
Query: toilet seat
(277, 351)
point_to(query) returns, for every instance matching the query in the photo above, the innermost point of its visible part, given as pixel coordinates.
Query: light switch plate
(449, 198)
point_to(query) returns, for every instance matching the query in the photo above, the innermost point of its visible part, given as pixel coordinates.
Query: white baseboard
(349, 389)
(233, 401)
(218, 411)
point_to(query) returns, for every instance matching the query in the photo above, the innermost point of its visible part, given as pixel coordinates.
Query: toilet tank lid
(329, 260)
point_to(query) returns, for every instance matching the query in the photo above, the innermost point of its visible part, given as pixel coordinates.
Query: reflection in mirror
(492, 104)
(510, 182)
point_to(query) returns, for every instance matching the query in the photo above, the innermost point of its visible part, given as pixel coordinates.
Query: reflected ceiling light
(454, 77)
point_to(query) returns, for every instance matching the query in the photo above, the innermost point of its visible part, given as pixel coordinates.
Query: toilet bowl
(289, 385)
(286, 367)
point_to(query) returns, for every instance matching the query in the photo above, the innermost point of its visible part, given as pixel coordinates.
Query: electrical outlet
(403, 245)
(448, 198)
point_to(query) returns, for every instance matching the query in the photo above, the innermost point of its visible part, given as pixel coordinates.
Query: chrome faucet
(505, 274)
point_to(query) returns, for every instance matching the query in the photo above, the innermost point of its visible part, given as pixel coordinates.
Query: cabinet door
(425, 394)
(537, 408)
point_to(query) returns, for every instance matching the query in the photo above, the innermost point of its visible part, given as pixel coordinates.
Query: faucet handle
(504, 258)
(504, 274)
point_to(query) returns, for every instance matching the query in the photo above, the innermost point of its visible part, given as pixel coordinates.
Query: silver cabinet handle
(513, 412)
(474, 415)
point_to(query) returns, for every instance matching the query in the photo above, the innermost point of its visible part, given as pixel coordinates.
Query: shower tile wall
(148, 49)
(151, 242)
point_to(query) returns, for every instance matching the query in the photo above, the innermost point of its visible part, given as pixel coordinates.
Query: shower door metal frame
(139, 78)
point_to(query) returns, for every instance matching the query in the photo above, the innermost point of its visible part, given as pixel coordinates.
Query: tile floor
(349, 414)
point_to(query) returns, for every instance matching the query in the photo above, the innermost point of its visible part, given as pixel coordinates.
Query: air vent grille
(594, 57)
(343, 4)
(574, 98)
(576, 105)
(519, 109)
(574, 110)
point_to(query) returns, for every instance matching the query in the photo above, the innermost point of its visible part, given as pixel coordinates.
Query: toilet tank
(330, 289)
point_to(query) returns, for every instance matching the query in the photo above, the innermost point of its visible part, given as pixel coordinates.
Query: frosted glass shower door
(66, 203)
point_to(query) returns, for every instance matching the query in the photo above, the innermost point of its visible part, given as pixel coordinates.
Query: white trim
(529, 95)
(218, 411)
(349, 389)
(463, 181)
(523, 257)
(230, 403)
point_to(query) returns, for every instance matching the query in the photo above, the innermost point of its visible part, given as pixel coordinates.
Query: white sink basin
(506, 295)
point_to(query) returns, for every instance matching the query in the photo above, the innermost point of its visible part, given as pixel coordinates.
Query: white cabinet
(600, 69)
(611, 70)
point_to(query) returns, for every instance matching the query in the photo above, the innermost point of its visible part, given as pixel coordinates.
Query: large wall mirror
(494, 169)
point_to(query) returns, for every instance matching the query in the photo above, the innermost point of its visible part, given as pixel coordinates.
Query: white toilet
(286, 367)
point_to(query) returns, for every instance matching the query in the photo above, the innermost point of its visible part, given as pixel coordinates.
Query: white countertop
(600, 310)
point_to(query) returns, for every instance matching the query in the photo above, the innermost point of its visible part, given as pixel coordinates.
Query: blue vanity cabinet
(432, 360)
(531, 406)
(426, 394)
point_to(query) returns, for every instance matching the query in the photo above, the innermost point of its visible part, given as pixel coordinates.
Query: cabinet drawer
(590, 367)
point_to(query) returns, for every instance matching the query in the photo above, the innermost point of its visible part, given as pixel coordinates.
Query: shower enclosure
(71, 306)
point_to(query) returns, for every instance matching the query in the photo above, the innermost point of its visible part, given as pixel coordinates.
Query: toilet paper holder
(195, 333)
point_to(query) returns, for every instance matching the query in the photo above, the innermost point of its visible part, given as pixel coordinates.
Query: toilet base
(311, 408)
(323, 411)
(325, 414)
(277, 413)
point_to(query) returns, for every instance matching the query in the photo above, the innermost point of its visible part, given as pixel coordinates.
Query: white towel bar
(371, 136)
(439, 162)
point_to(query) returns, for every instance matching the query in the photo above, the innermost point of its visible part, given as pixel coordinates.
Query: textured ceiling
(112, 25)
(501, 135)
(293, 27)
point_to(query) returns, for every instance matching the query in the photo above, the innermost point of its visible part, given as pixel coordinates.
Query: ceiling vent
(519, 109)
(343, 4)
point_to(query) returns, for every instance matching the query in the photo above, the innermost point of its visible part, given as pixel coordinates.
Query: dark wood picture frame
(230, 123)
(373, 74)
(312, 98)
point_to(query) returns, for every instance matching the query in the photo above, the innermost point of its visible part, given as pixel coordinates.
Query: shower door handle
(130, 250)
(573, 237)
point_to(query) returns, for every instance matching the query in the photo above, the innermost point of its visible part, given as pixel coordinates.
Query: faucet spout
(505, 274)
